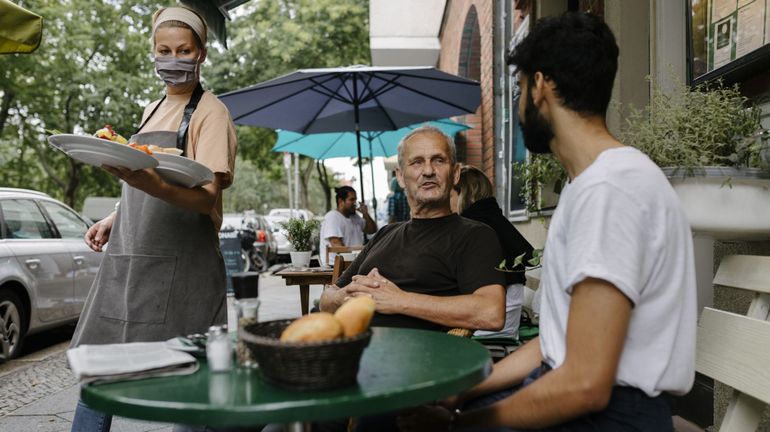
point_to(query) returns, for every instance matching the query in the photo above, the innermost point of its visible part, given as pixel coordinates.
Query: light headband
(180, 14)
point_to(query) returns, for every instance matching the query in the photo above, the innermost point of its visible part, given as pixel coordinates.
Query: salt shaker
(219, 349)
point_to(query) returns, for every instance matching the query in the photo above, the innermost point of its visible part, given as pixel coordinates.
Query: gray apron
(162, 274)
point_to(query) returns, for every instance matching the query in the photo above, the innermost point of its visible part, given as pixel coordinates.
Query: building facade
(664, 40)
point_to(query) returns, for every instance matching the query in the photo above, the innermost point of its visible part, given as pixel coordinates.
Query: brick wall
(479, 142)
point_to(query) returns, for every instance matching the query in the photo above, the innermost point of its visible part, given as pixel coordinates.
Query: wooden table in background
(304, 278)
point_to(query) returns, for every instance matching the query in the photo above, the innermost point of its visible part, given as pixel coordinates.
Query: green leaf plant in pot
(301, 234)
(709, 142)
(542, 179)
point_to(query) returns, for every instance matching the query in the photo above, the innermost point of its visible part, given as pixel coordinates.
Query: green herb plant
(706, 125)
(300, 233)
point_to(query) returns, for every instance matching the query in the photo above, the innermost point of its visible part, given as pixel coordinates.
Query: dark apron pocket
(136, 288)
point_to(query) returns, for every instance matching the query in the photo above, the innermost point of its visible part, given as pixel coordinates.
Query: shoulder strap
(181, 135)
(150, 116)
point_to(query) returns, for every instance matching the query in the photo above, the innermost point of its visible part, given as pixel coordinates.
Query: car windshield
(231, 222)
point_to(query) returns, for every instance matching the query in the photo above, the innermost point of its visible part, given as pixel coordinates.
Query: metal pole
(288, 182)
(358, 136)
(374, 195)
(296, 181)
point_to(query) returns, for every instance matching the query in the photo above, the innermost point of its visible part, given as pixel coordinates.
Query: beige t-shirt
(211, 138)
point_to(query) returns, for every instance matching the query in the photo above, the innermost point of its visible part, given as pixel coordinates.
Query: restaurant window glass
(727, 39)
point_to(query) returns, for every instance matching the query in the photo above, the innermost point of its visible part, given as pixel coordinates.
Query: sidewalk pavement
(39, 393)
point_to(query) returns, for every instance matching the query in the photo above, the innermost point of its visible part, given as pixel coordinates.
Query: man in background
(343, 226)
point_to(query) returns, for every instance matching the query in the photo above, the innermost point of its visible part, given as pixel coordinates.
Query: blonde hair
(474, 185)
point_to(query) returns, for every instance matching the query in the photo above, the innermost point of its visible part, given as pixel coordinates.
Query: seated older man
(437, 270)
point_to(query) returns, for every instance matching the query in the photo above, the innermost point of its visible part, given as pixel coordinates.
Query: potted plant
(300, 233)
(542, 179)
(708, 140)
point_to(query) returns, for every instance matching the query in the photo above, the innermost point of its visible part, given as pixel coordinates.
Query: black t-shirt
(444, 256)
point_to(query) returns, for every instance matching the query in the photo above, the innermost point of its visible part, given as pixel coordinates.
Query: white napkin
(99, 363)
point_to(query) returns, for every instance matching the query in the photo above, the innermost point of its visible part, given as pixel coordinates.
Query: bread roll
(355, 315)
(313, 328)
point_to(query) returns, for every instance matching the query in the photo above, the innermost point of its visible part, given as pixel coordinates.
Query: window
(727, 39)
(70, 226)
(23, 220)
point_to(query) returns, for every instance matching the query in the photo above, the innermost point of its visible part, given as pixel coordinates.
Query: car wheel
(13, 324)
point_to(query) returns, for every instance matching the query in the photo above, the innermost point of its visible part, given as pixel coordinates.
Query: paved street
(39, 393)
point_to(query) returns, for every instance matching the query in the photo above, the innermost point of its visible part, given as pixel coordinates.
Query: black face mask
(536, 130)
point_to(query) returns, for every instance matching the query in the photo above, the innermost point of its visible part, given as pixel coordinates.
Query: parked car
(287, 213)
(265, 240)
(283, 247)
(46, 269)
(257, 243)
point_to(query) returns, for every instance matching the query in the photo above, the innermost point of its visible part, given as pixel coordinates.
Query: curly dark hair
(578, 53)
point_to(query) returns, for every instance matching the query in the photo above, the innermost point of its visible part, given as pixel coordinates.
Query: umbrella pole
(360, 166)
(358, 137)
(374, 195)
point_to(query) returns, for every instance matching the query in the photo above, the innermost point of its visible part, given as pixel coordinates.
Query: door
(47, 262)
(72, 230)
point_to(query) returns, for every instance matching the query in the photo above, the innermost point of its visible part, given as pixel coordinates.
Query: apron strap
(181, 136)
(150, 116)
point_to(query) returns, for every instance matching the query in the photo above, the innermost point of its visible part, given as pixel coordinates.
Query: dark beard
(536, 130)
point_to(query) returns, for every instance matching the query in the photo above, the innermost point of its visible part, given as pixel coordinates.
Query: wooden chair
(340, 265)
(735, 349)
(339, 250)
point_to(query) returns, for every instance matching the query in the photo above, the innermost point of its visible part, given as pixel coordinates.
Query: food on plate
(141, 147)
(168, 150)
(355, 315)
(314, 327)
(109, 134)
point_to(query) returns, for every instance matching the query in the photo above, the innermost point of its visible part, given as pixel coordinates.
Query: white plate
(182, 171)
(98, 152)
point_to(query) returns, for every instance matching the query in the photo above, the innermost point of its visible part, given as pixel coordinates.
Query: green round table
(400, 368)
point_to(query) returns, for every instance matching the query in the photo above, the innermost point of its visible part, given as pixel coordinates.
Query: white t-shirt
(349, 229)
(620, 221)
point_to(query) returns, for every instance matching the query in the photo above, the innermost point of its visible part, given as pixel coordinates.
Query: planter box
(724, 203)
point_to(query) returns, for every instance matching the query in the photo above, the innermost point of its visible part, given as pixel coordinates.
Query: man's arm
(370, 226)
(484, 309)
(598, 321)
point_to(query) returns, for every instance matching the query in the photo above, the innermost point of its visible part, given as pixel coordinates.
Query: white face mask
(176, 71)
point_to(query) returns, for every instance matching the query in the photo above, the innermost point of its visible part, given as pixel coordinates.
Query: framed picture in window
(727, 39)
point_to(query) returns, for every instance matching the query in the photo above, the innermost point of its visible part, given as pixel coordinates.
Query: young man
(343, 226)
(618, 315)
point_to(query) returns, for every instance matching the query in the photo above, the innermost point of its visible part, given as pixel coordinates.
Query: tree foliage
(94, 67)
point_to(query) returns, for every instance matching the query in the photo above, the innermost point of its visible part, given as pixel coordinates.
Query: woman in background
(473, 197)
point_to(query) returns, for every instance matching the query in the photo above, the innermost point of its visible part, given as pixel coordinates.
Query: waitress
(164, 275)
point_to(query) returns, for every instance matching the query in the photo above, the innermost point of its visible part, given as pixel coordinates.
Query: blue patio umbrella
(344, 144)
(353, 99)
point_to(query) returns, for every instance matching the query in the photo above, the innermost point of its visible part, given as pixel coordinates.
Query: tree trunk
(304, 179)
(5, 106)
(323, 178)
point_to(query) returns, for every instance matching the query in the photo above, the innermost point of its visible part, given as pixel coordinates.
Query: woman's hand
(426, 419)
(146, 180)
(99, 233)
